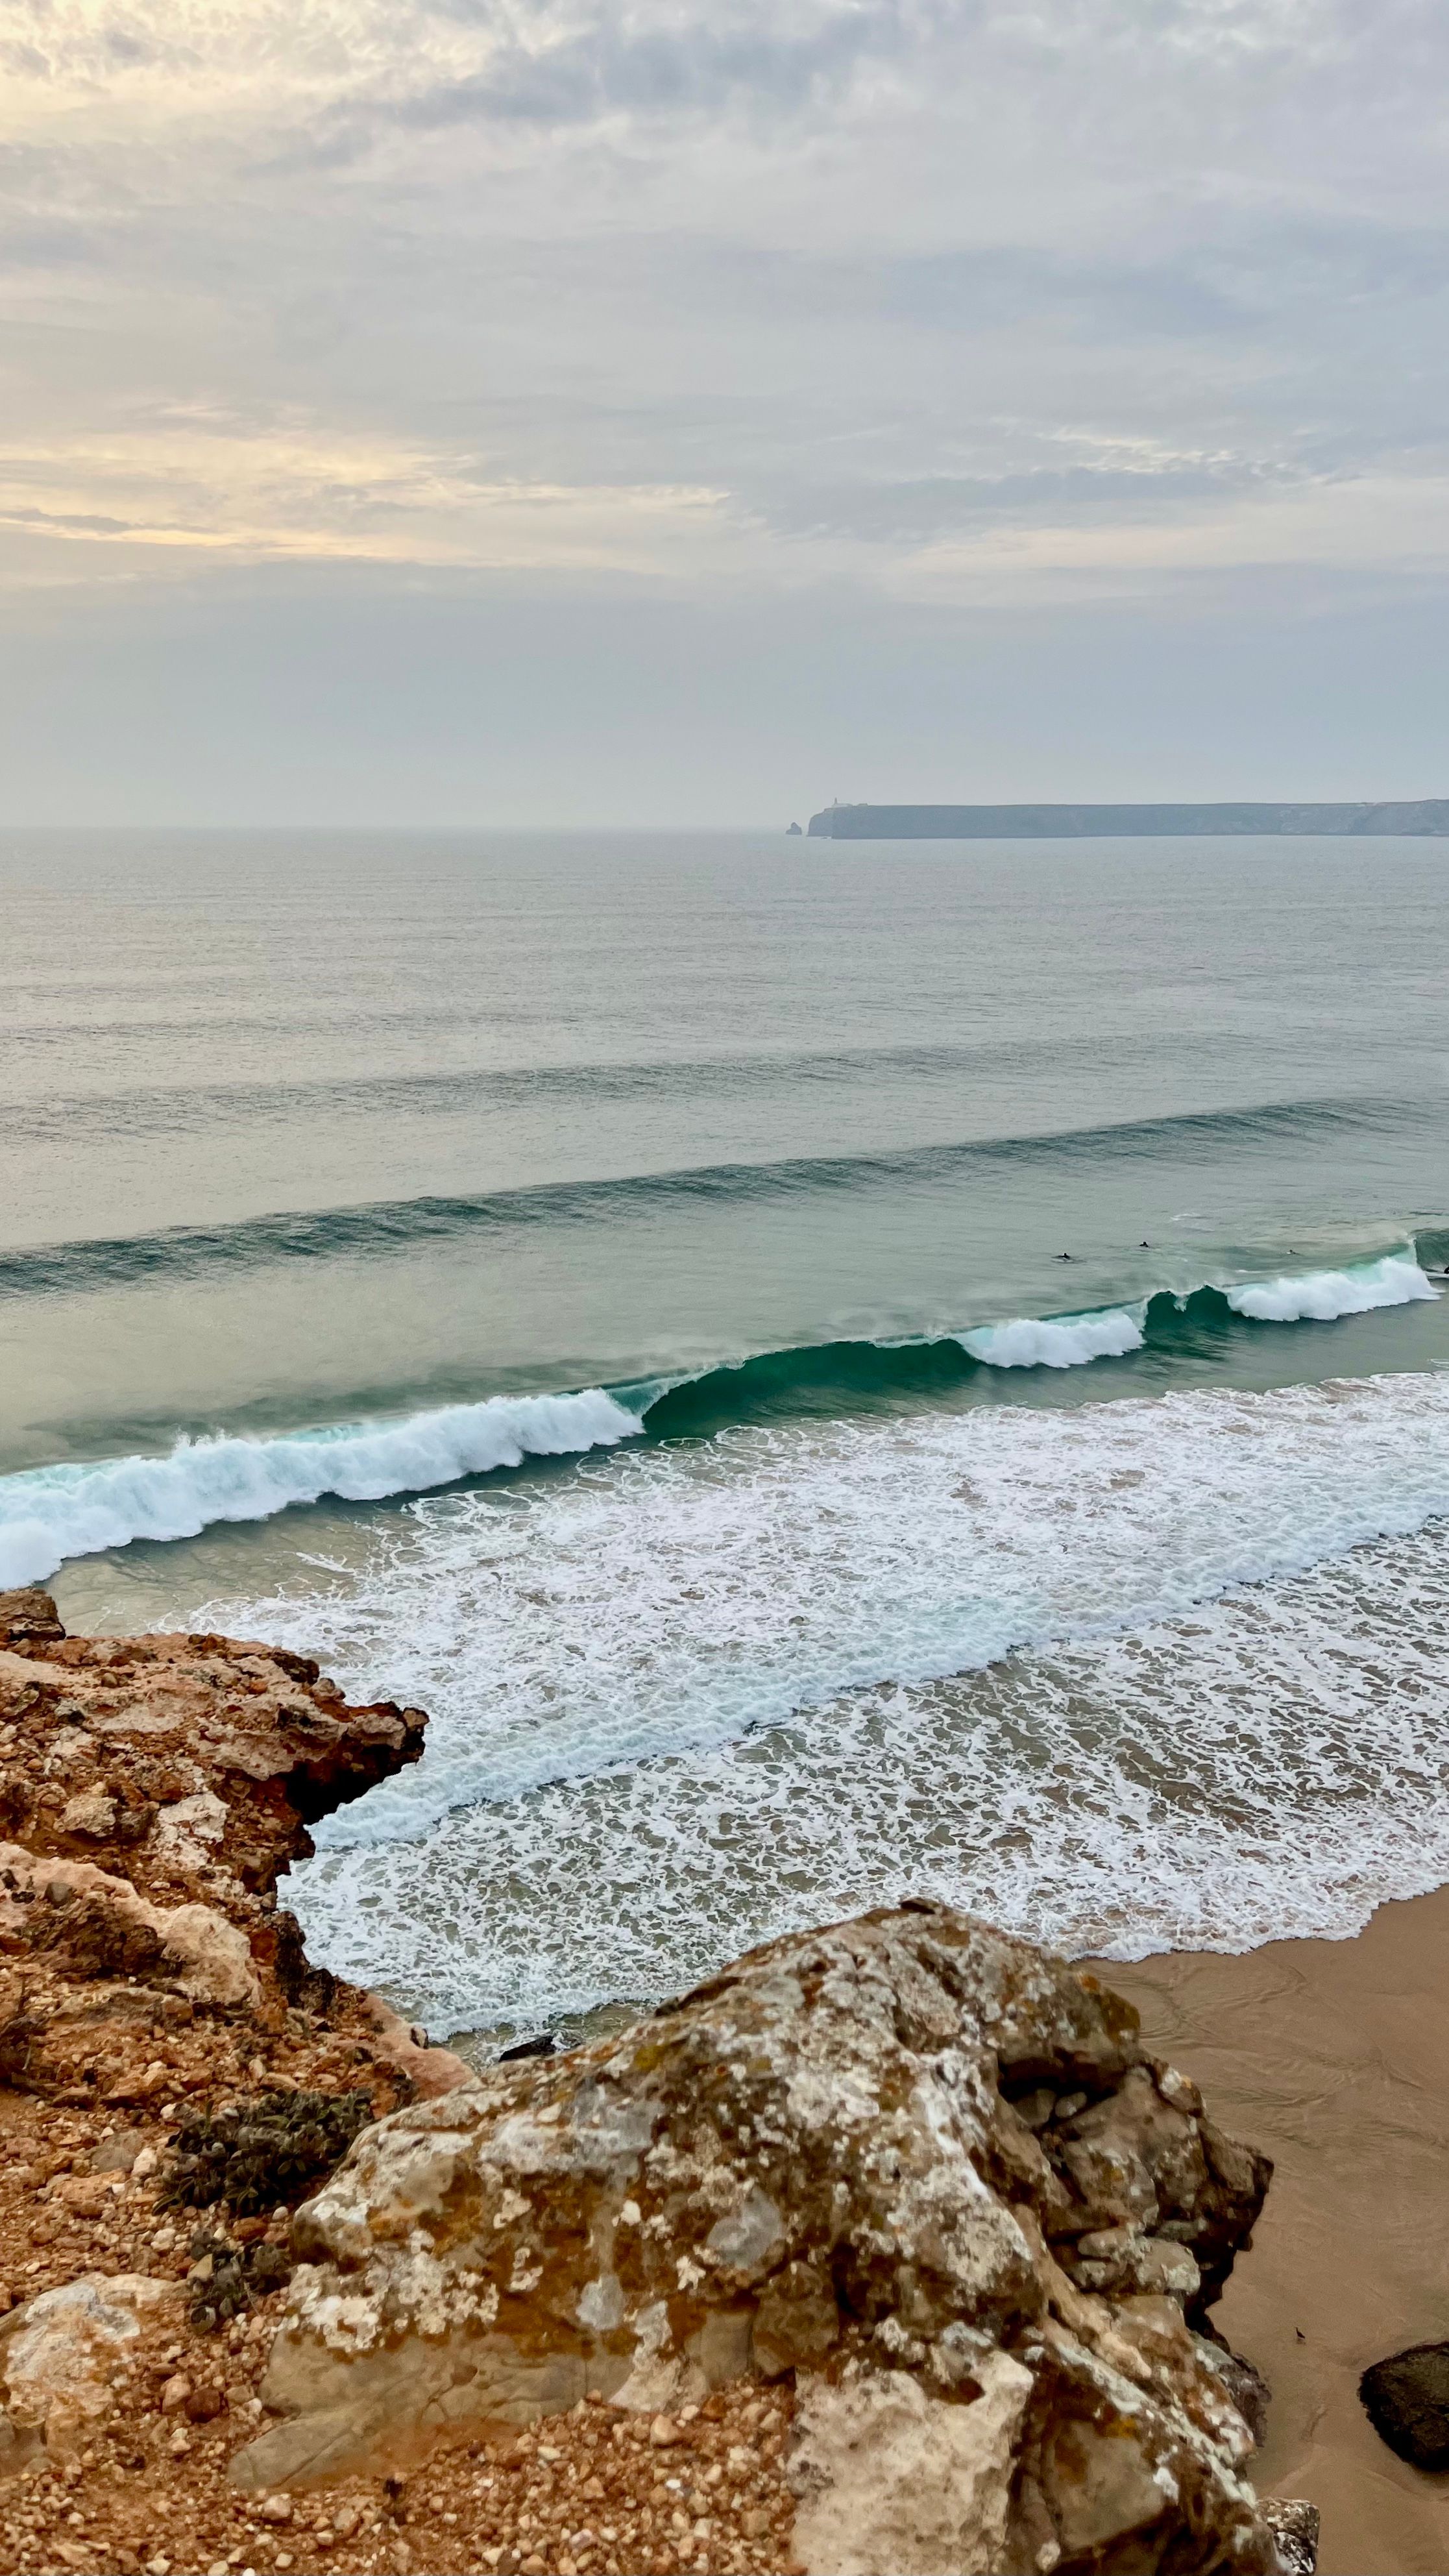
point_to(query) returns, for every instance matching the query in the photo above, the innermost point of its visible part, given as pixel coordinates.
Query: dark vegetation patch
(267, 2153)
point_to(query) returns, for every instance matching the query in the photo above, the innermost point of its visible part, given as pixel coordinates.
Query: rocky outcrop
(924, 2170)
(88, 1923)
(1294, 2525)
(152, 1789)
(891, 2244)
(185, 1754)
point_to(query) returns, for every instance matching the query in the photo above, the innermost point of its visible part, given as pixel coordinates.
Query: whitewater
(824, 1369)
(802, 1613)
(79, 1508)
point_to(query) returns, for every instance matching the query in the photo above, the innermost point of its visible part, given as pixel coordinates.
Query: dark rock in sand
(1406, 2399)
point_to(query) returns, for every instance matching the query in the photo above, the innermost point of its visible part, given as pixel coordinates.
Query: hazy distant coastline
(1427, 816)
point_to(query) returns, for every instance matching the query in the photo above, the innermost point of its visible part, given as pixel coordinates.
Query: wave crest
(50, 1513)
(1321, 1296)
(1058, 1341)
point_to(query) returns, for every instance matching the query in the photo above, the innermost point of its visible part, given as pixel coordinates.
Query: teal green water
(501, 1216)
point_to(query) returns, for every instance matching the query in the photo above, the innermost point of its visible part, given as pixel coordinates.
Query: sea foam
(1267, 1768)
(673, 1599)
(1121, 1675)
(1057, 1341)
(1321, 1296)
(50, 1513)
(1138, 1676)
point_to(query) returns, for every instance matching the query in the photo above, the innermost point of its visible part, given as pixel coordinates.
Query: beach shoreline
(1333, 2058)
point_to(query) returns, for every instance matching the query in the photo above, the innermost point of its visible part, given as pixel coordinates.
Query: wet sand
(1334, 2057)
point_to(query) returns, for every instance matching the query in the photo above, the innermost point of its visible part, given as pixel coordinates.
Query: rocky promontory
(891, 2247)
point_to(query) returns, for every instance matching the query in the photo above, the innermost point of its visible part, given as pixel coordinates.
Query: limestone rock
(430, 2071)
(214, 1752)
(189, 1830)
(118, 2154)
(62, 2354)
(1244, 2383)
(891, 2478)
(1294, 2525)
(815, 2163)
(92, 1814)
(28, 1618)
(98, 1925)
(152, 1789)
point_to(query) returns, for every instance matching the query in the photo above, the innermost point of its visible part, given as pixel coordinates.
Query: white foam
(673, 1598)
(1321, 1296)
(48, 1514)
(1270, 1767)
(1057, 1341)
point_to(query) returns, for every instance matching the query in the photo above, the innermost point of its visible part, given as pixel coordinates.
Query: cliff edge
(891, 2246)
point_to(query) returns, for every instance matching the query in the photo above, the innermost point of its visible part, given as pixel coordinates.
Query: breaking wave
(50, 1513)
(1058, 1341)
(1109, 1332)
(1321, 1296)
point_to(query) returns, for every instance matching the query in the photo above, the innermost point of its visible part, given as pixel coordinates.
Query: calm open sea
(609, 1289)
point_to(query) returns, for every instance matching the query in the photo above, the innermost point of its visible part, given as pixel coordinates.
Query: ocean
(831, 1370)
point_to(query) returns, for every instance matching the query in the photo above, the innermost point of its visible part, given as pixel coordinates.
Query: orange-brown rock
(152, 1789)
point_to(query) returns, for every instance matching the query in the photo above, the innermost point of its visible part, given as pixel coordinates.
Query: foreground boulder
(923, 2169)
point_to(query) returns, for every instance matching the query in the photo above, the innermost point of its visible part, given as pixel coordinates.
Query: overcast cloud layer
(504, 411)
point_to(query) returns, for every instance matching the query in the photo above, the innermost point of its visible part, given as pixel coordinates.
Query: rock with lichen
(926, 2171)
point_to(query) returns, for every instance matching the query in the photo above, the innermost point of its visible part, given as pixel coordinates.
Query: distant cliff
(1430, 815)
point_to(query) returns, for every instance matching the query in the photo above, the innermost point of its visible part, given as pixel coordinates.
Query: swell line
(182, 1108)
(81, 1507)
(376, 1229)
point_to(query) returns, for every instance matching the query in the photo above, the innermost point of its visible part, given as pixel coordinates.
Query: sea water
(830, 1370)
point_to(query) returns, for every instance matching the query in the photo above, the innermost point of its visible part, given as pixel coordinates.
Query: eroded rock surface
(186, 1754)
(152, 1789)
(925, 2169)
(64, 2358)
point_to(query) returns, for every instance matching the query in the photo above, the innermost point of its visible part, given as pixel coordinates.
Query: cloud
(898, 298)
(277, 491)
(771, 60)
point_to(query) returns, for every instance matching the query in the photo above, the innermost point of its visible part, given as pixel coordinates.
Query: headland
(1427, 816)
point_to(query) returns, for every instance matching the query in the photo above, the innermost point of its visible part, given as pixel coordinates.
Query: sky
(686, 411)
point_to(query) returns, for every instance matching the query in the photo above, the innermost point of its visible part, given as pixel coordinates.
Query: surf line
(49, 1514)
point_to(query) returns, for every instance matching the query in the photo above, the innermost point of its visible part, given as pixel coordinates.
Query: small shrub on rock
(267, 2153)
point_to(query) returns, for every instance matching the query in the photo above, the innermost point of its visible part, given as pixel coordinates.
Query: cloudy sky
(655, 410)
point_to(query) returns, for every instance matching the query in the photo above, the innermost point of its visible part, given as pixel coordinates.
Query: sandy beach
(1334, 2058)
